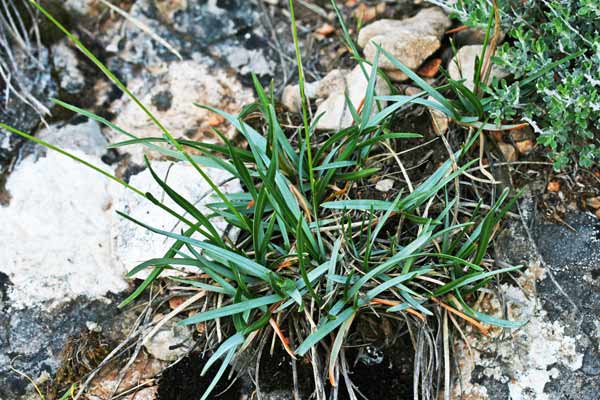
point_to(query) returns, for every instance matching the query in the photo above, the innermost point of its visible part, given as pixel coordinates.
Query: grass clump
(315, 251)
(563, 104)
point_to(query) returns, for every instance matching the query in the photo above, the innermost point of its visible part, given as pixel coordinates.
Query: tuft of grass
(313, 254)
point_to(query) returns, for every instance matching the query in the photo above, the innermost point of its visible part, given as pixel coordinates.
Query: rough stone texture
(142, 369)
(32, 339)
(462, 65)
(65, 253)
(336, 114)
(333, 82)
(411, 49)
(57, 235)
(170, 96)
(33, 82)
(229, 32)
(171, 342)
(134, 244)
(55, 270)
(84, 136)
(555, 355)
(427, 22)
(71, 78)
(410, 40)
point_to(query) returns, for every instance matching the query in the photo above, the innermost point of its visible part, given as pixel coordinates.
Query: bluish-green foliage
(563, 105)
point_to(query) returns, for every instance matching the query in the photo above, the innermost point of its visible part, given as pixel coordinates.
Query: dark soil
(276, 373)
(378, 372)
(390, 379)
(182, 381)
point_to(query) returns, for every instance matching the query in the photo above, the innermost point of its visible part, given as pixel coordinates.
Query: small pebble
(385, 185)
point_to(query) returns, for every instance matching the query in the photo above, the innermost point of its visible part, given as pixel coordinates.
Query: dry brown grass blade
(491, 49)
(457, 29)
(360, 105)
(482, 328)
(337, 192)
(288, 262)
(302, 202)
(393, 303)
(284, 340)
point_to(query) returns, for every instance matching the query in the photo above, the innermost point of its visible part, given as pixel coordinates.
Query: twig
(172, 314)
(446, 357)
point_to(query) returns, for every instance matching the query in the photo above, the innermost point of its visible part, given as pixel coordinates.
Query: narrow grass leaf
(231, 309)
(323, 331)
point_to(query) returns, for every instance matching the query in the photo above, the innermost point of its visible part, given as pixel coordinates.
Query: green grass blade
(219, 373)
(419, 81)
(323, 331)
(232, 309)
(156, 271)
(72, 156)
(218, 253)
(232, 342)
(370, 94)
(470, 278)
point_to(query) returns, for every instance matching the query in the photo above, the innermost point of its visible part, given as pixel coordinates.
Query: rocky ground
(64, 252)
(556, 354)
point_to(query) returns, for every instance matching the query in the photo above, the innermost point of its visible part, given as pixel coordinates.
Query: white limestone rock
(333, 82)
(134, 244)
(171, 95)
(55, 236)
(462, 65)
(334, 110)
(427, 22)
(409, 48)
(410, 40)
(86, 137)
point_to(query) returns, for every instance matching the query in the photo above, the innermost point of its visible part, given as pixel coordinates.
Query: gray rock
(230, 32)
(24, 110)
(555, 355)
(462, 66)
(56, 271)
(334, 110)
(171, 95)
(410, 40)
(591, 362)
(85, 136)
(64, 58)
(170, 342)
(32, 339)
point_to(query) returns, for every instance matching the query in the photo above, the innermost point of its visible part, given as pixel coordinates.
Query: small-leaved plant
(309, 258)
(561, 38)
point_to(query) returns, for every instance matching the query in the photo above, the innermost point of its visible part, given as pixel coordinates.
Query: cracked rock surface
(555, 355)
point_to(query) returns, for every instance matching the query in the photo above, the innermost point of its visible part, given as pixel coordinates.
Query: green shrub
(310, 259)
(562, 105)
